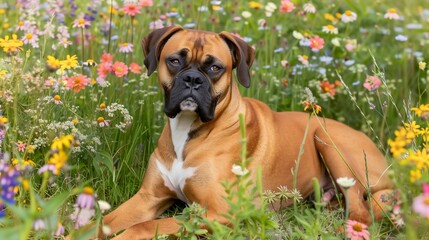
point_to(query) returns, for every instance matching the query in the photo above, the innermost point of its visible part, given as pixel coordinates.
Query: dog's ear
(242, 54)
(153, 44)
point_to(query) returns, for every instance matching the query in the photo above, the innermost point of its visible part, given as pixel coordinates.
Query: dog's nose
(193, 80)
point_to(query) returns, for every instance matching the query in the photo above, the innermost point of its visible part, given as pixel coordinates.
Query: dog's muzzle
(191, 91)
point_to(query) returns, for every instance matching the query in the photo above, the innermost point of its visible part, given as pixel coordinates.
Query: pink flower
(106, 58)
(425, 188)
(81, 22)
(86, 199)
(372, 83)
(104, 69)
(146, 3)
(135, 68)
(421, 204)
(356, 230)
(316, 43)
(125, 47)
(286, 6)
(77, 82)
(131, 9)
(21, 146)
(120, 69)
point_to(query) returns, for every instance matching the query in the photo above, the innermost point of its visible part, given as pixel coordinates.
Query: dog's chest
(176, 175)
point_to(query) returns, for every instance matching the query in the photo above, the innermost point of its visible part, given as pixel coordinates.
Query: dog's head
(195, 67)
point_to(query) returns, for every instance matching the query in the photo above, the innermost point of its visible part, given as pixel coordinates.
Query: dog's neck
(180, 127)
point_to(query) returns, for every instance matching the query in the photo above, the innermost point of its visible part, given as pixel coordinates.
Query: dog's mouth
(189, 104)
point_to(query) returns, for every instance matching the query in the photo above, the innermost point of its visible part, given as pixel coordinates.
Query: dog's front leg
(148, 203)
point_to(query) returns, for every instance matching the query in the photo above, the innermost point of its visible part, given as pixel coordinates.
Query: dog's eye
(174, 61)
(215, 68)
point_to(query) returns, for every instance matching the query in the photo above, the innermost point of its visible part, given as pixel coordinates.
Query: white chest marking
(175, 177)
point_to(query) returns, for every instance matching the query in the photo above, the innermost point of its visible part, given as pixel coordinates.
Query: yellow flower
(52, 63)
(62, 142)
(102, 105)
(3, 120)
(23, 163)
(255, 5)
(312, 107)
(422, 111)
(2, 73)
(58, 159)
(397, 148)
(415, 175)
(413, 127)
(422, 65)
(88, 190)
(11, 46)
(69, 63)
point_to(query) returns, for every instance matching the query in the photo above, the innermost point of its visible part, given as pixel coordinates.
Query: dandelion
(103, 122)
(120, 69)
(131, 9)
(239, 170)
(135, 68)
(57, 99)
(356, 230)
(316, 43)
(77, 82)
(422, 65)
(391, 14)
(286, 6)
(330, 29)
(372, 83)
(125, 47)
(346, 182)
(69, 63)
(81, 22)
(348, 16)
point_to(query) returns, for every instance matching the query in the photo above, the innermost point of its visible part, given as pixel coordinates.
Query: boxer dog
(201, 140)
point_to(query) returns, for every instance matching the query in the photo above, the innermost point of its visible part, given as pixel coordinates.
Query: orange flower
(328, 87)
(77, 82)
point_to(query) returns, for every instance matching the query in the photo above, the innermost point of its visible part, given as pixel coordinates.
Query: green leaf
(106, 159)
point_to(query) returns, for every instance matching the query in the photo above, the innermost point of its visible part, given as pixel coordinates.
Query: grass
(112, 159)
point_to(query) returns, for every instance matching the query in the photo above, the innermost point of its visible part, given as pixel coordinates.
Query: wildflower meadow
(79, 116)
